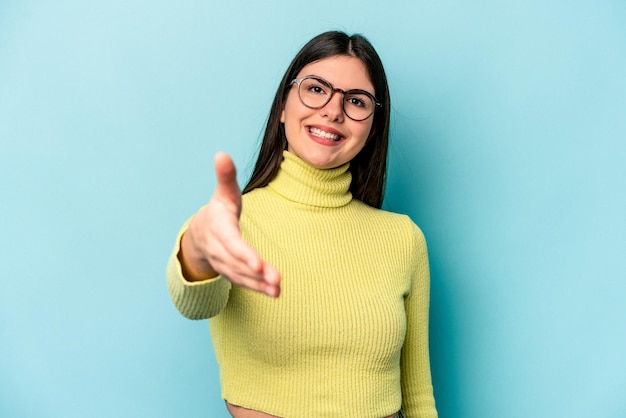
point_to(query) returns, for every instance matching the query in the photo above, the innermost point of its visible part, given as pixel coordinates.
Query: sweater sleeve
(417, 391)
(195, 300)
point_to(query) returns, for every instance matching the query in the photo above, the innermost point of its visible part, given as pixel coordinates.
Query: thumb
(227, 188)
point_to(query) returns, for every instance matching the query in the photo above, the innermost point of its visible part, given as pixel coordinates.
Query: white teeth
(324, 134)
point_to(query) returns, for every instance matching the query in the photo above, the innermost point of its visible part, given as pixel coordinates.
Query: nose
(333, 110)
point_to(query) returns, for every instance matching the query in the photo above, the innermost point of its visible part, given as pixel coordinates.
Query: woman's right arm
(210, 247)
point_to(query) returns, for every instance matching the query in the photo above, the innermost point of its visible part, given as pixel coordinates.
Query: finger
(227, 188)
(272, 281)
(253, 282)
(271, 275)
(239, 250)
(258, 286)
(236, 266)
(235, 247)
(229, 247)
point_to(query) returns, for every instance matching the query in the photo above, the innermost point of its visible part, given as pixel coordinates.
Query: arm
(417, 390)
(210, 253)
(194, 299)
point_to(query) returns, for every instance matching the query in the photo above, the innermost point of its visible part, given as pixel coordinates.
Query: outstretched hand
(213, 244)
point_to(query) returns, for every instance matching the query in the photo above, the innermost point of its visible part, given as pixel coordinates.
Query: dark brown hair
(369, 166)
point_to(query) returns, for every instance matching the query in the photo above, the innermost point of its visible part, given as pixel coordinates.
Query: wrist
(194, 267)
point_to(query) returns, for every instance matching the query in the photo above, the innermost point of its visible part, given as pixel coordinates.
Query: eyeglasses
(315, 92)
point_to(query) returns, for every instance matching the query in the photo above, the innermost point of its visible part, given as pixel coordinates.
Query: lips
(325, 134)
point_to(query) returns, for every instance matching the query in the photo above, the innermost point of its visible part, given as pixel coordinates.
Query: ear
(282, 115)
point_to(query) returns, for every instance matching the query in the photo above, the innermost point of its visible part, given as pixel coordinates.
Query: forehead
(342, 71)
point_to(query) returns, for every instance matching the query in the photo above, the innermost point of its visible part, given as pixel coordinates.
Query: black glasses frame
(298, 82)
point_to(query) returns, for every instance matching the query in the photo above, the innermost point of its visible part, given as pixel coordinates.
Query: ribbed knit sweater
(348, 335)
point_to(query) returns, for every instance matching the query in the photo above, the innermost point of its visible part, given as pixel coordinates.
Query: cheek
(371, 132)
(367, 132)
(289, 108)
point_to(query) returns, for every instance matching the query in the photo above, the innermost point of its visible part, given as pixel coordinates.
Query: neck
(300, 182)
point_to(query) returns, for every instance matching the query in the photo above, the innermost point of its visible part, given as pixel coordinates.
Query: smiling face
(326, 137)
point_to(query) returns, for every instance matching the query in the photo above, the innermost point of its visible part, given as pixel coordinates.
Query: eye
(357, 100)
(313, 86)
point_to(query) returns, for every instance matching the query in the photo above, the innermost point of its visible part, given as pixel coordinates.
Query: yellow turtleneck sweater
(348, 335)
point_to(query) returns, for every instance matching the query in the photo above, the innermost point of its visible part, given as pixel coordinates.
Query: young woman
(318, 299)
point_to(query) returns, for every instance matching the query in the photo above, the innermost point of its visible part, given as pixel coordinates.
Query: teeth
(324, 134)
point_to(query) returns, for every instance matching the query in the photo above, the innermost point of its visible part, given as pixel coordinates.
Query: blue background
(508, 149)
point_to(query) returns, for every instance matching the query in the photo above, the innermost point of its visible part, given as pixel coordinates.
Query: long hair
(369, 166)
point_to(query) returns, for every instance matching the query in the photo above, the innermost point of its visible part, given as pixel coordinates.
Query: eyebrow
(333, 86)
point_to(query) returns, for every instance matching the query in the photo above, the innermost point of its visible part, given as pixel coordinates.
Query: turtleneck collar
(299, 182)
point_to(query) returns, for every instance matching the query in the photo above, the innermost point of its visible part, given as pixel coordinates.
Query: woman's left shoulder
(398, 222)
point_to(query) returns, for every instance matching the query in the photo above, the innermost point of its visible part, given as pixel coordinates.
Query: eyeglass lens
(317, 93)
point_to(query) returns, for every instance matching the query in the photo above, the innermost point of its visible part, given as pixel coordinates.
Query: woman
(344, 331)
